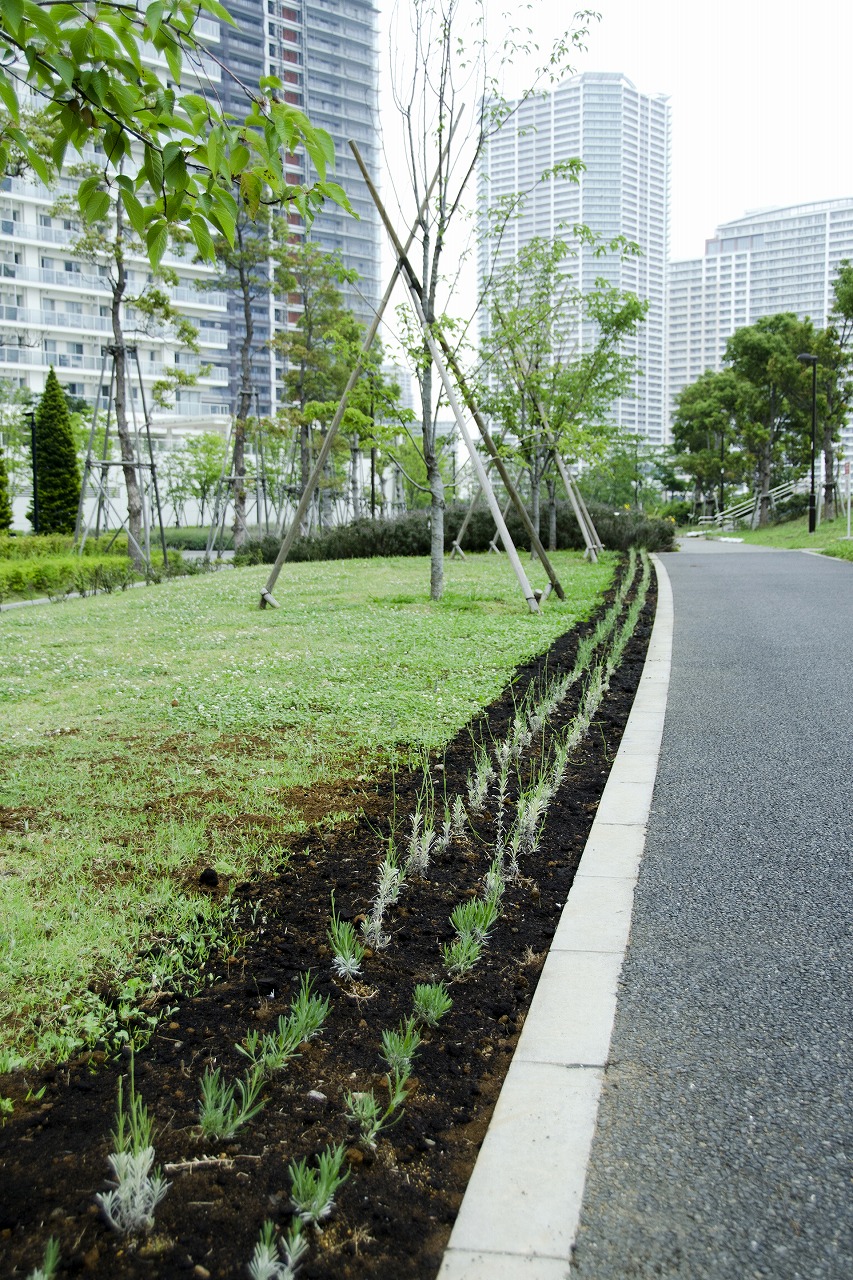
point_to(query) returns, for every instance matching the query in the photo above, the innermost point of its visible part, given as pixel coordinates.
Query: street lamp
(812, 360)
(35, 520)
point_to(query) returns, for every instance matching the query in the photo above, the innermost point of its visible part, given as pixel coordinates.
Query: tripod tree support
(433, 346)
(267, 598)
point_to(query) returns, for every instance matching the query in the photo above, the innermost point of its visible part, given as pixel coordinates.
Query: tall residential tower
(622, 137)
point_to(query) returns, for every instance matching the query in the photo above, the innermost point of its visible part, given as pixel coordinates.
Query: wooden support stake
(449, 390)
(314, 478)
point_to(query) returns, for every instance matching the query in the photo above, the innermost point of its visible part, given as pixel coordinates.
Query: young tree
(552, 362)
(90, 71)
(57, 472)
(108, 243)
(448, 54)
(5, 504)
(706, 436)
(15, 435)
(319, 346)
(834, 351)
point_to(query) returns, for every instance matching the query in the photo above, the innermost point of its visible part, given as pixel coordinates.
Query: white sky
(761, 94)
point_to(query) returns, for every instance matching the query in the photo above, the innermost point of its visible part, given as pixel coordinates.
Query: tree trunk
(126, 441)
(552, 513)
(765, 466)
(535, 496)
(244, 405)
(324, 513)
(355, 478)
(829, 497)
(436, 485)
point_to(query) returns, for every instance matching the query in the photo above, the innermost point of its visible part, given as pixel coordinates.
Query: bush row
(58, 576)
(409, 535)
(37, 546)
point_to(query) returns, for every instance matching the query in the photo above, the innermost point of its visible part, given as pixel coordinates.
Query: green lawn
(144, 735)
(794, 535)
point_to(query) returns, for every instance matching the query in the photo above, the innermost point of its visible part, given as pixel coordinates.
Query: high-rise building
(622, 137)
(766, 262)
(326, 54)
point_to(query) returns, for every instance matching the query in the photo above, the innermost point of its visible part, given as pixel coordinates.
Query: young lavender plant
(462, 954)
(278, 1260)
(399, 1047)
(273, 1050)
(348, 951)
(47, 1270)
(420, 845)
(138, 1188)
(388, 887)
(478, 781)
(220, 1114)
(312, 1191)
(431, 1002)
(364, 1110)
(475, 917)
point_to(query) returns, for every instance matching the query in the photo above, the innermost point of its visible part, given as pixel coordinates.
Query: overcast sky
(761, 94)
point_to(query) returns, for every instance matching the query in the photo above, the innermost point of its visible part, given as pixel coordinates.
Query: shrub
(791, 509)
(408, 535)
(5, 504)
(57, 470)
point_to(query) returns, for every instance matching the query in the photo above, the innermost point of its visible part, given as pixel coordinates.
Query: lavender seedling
(273, 1050)
(431, 1002)
(478, 781)
(138, 1188)
(278, 1260)
(47, 1270)
(475, 917)
(399, 1047)
(462, 954)
(387, 892)
(220, 1114)
(458, 817)
(494, 881)
(364, 1110)
(312, 1191)
(347, 949)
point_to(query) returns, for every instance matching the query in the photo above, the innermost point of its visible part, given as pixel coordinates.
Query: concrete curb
(521, 1210)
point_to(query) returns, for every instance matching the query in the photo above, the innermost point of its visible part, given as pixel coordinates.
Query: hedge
(58, 576)
(409, 535)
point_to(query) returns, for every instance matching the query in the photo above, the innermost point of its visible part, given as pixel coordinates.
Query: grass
(146, 735)
(794, 535)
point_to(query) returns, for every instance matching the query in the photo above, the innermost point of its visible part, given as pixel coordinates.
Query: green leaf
(201, 235)
(135, 212)
(153, 165)
(154, 16)
(156, 240)
(175, 62)
(64, 68)
(218, 11)
(13, 12)
(97, 206)
(250, 189)
(43, 22)
(8, 95)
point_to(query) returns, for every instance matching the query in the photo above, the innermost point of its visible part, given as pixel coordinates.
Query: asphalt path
(725, 1130)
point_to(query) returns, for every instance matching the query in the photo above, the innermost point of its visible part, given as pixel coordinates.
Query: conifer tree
(57, 469)
(5, 504)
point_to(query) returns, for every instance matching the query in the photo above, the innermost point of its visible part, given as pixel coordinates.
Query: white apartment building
(769, 261)
(623, 138)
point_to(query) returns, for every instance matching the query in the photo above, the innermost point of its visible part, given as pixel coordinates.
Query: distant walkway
(725, 1130)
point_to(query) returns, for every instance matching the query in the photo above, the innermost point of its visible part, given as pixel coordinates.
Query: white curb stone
(520, 1213)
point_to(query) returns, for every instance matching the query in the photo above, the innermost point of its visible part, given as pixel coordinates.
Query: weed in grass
(348, 951)
(50, 1263)
(431, 1002)
(278, 1259)
(138, 1188)
(399, 1047)
(220, 1114)
(312, 1191)
(365, 1112)
(462, 954)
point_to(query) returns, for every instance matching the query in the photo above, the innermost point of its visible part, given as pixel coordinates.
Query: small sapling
(220, 1114)
(348, 951)
(312, 1191)
(278, 1259)
(431, 1002)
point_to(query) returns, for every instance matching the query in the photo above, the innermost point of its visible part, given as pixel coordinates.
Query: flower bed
(514, 842)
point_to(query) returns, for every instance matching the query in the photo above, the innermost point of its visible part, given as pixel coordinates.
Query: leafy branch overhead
(99, 71)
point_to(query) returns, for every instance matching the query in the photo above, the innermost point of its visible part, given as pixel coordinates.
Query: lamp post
(812, 360)
(32, 416)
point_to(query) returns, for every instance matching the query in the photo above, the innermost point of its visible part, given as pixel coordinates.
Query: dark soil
(395, 1212)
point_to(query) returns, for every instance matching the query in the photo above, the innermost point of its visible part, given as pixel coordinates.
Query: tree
(448, 54)
(772, 410)
(57, 471)
(834, 351)
(319, 347)
(107, 242)
(15, 406)
(552, 361)
(5, 505)
(91, 70)
(706, 436)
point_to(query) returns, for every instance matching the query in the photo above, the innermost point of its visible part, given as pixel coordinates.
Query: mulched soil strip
(394, 1214)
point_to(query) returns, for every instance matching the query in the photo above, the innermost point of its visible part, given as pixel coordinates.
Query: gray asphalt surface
(726, 1125)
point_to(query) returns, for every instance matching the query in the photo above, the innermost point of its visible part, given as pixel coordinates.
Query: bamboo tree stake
(449, 391)
(305, 500)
